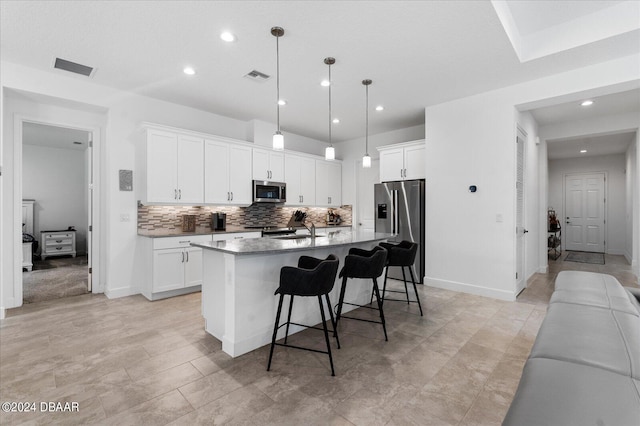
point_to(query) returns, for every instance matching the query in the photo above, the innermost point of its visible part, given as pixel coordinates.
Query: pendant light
(366, 160)
(278, 139)
(330, 152)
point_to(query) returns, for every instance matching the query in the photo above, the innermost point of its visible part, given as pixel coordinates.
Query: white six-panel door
(584, 212)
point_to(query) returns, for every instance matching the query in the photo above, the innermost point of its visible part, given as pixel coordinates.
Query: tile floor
(131, 362)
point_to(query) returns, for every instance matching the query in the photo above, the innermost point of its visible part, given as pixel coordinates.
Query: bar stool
(312, 277)
(402, 255)
(361, 263)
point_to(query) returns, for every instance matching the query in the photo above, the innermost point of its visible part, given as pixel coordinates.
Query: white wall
(631, 189)
(55, 178)
(470, 141)
(615, 209)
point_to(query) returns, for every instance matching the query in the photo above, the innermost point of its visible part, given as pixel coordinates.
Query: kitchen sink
(296, 237)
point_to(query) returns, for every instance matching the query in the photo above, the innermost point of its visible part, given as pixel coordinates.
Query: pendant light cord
(330, 144)
(278, 81)
(366, 137)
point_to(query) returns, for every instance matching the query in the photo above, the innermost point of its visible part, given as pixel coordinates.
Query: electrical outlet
(124, 217)
(499, 217)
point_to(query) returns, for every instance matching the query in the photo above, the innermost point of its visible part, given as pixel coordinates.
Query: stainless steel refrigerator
(400, 210)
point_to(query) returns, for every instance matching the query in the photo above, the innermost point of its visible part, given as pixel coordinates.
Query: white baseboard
(543, 269)
(628, 257)
(3, 313)
(120, 292)
(617, 252)
(471, 289)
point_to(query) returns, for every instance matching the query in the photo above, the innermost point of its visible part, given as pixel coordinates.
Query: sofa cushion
(592, 336)
(592, 289)
(553, 392)
(634, 296)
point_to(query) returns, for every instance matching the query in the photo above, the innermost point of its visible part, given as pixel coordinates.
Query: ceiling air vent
(65, 65)
(257, 76)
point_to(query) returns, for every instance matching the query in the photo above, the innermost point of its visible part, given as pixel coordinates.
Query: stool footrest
(301, 348)
(401, 300)
(360, 306)
(362, 319)
(394, 291)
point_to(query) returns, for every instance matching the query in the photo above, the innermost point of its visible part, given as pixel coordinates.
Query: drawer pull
(58, 241)
(185, 242)
(58, 248)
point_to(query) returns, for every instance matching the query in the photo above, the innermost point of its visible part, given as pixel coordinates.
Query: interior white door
(521, 281)
(366, 179)
(584, 212)
(89, 171)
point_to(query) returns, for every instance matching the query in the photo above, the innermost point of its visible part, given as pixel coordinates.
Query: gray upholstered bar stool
(361, 263)
(312, 278)
(404, 256)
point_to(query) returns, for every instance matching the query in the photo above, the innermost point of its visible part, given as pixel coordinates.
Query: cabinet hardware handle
(182, 257)
(184, 242)
(58, 248)
(329, 200)
(179, 194)
(58, 241)
(187, 256)
(228, 196)
(175, 194)
(231, 195)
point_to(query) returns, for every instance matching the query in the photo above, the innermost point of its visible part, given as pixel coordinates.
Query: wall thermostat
(473, 188)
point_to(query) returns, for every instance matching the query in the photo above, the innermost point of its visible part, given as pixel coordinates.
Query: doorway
(521, 281)
(584, 201)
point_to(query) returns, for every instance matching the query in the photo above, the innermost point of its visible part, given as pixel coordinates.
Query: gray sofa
(584, 367)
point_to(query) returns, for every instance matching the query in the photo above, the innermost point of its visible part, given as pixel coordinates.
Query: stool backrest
(313, 277)
(403, 253)
(365, 265)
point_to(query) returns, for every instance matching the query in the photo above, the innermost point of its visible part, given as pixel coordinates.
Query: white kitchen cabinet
(173, 168)
(268, 165)
(176, 267)
(328, 183)
(227, 173)
(300, 176)
(402, 161)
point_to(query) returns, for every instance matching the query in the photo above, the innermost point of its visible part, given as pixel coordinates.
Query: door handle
(525, 231)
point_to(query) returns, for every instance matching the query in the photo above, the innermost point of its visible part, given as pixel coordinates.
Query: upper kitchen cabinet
(402, 161)
(227, 173)
(268, 165)
(328, 183)
(300, 176)
(172, 168)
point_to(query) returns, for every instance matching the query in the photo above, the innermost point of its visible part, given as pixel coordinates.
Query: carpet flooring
(54, 278)
(585, 257)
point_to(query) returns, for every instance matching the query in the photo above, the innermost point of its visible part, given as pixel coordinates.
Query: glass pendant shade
(366, 161)
(329, 153)
(278, 141)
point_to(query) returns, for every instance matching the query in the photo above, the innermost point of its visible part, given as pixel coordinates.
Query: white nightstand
(57, 243)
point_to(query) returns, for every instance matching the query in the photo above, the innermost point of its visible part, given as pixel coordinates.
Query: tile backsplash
(170, 217)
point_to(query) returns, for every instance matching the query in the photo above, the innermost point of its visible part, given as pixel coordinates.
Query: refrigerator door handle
(394, 213)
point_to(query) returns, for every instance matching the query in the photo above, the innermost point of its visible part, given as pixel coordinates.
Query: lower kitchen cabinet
(175, 266)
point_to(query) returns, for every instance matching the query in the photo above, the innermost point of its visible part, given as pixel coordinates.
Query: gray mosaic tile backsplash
(170, 217)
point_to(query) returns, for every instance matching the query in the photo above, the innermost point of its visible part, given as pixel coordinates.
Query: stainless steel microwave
(269, 192)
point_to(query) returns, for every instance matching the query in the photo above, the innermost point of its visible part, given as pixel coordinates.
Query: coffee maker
(219, 221)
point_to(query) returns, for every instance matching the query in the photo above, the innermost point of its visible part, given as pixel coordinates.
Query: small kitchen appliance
(219, 221)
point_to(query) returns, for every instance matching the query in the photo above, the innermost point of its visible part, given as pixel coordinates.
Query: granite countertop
(206, 230)
(275, 245)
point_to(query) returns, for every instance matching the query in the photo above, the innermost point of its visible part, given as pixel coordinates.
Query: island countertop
(324, 239)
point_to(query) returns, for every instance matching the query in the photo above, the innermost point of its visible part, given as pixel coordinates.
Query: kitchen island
(241, 276)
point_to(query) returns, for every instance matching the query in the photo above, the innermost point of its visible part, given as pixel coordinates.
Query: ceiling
(596, 145)
(54, 137)
(417, 53)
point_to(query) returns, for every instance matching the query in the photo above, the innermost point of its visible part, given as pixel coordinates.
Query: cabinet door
(322, 183)
(190, 170)
(415, 162)
(260, 164)
(292, 179)
(276, 166)
(193, 267)
(162, 167)
(240, 184)
(391, 164)
(335, 184)
(216, 172)
(308, 181)
(168, 269)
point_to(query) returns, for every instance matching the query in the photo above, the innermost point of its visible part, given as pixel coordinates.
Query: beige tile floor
(131, 362)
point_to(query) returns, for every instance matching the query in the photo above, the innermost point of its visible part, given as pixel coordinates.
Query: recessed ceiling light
(228, 37)
(189, 71)
(582, 151)
(379, 108)
(282, 102)
(336, 120)
(587, 103)
(324, 83)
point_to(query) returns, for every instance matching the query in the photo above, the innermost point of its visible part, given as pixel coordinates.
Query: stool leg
(326, 334)
(275, 331)
(384, 285)
(340, 301)
(415, 289)
(286, 333)
(333, 321)
(377, 292)
(404, 278)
